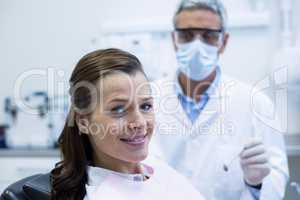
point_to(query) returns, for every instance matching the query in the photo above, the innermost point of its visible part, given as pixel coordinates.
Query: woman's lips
(135, 141)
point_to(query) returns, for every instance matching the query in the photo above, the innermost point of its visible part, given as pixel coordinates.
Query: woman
(106, 135)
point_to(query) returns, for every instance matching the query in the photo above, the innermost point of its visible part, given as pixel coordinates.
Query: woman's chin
(136, 152)
(137, 157)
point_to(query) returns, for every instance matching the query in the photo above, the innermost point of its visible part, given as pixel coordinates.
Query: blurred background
(41, 41)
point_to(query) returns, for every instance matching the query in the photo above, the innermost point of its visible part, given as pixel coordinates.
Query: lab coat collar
(209, 91)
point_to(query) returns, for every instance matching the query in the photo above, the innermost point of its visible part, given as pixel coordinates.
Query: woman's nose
(137, 121)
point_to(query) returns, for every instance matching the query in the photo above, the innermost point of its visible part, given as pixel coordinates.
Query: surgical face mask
(196, 59)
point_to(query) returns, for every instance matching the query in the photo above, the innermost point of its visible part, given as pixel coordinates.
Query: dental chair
(36, 187)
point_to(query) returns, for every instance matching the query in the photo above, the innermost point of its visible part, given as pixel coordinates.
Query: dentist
(209, 126)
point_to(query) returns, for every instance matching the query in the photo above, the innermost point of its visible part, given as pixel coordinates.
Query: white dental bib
(164, 182)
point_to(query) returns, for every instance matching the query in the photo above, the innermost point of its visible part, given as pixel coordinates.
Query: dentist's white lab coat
(233, 115)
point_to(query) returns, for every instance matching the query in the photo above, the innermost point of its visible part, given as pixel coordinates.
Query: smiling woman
(105, 139)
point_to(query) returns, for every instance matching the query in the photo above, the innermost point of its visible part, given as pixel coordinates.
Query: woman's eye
(118, 110)
(146, 107)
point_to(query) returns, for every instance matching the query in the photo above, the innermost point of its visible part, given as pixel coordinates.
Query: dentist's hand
(254, 161)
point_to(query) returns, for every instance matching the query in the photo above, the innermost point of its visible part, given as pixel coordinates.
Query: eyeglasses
(208, 36)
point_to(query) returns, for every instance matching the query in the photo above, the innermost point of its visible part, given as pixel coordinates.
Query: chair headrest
(38, 187)
(15, 190)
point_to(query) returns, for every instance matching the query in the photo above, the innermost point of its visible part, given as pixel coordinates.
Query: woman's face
(121, 126)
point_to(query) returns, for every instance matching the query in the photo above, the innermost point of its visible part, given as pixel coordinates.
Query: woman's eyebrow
(118, 99)
(147, 98)
(126, 99)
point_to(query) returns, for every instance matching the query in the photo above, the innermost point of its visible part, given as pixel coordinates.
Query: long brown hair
(69, 176)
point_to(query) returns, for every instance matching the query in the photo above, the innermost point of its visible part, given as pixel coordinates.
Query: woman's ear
(82, 123)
